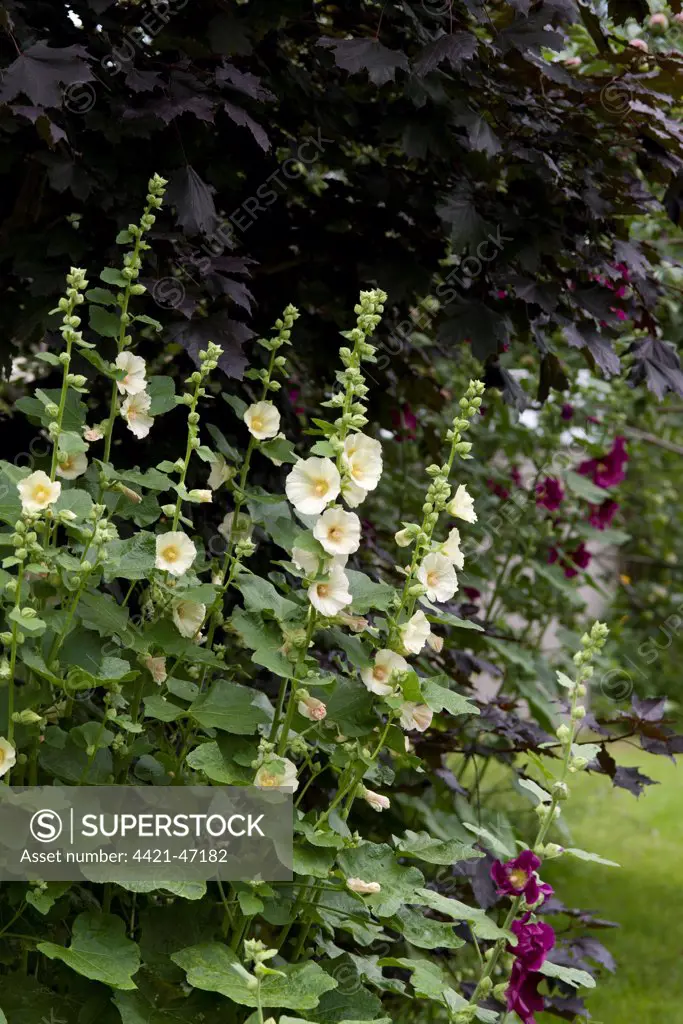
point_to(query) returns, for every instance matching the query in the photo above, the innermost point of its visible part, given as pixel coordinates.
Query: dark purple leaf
(658, 365)
(231, 335)
(193, 200)
(651, 709)
(632, 779)
(369, 55)
(243, 81)
(242, 118)
(456, 49)
(47, 129)
(41, 72)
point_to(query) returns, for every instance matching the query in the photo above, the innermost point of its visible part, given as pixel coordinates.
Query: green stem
(13, 662)
(62, 406)
(301, 661)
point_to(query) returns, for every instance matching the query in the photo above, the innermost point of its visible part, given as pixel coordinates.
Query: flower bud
(560, 790)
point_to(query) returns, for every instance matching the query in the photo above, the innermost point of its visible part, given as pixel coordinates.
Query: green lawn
(645, 895)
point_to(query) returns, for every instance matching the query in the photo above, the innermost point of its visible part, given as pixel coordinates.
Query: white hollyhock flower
(312, 484)
(415, 633)
(188, 617)
(73, 466)
(438, 575)
(435, 642)
(243, 527)
(415, 716)
(312, 708)
(330, 596)
(202, 495)
(92, 434)
(352, 494)
(404, 538)
(377, 677)
(277, 773)
(175, 552)
(338, 531)
(134, 368)
(462, 505)
(156, 668)
(263, 420)
(363, 459)
(451, 549)
(220, 473)
(377, 801)
(307, 561)
(37, 491)
(363, 888)
(135, 411)
(8, 756)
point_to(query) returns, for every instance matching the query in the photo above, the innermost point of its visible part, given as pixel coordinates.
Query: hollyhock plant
(518, 877)
(572, 561)
(609, 470)
(601, 516)
(550, 493)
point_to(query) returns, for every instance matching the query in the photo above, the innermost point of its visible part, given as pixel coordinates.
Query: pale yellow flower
(363, 888)
(451, 549)
(263, 420)
(278, 773)
(330, 596)
(156, 668)
(73, 466)
(8, 756)
(437, 574)
(135, 411)
(377, 677)
(312, 484)
(188, 617)
(415, 716)
(462, 505)
(134, 367)
(415, 633)
(338, 531)
(175, 552)
(37, 491)
(363, 459)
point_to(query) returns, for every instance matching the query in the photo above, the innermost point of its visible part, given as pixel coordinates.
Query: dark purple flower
(578, 559)
(471, 593)
(534, 942)
(518, 877)
(601, 516)
(522, 994)
(498, 489)
(405, 423)
(567, 411)
(608, 470)
(549, 494)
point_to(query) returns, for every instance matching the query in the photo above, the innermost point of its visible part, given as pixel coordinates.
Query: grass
(645, 895)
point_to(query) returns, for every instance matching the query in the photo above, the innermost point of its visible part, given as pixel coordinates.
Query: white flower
(462, 505)
(242, 530)
(363, 459)
(73, 466)
(356, 623)
(415, 716)
(312, 484)
(435, 642)
(134, 367)
(135, 411)
(451, 549)
(220, 473)
(188, 617)
(330, 596)
(175, 552)
(415, 633)
(202, 495)
(438, 575)
(312, 708)
(376, 800)
(364, 888)
(92, 434)
(352, 494)
(263, 420)
(307, 561)
(404, 538)
(8, 756)
(338, 531)
(37, 491)
(277, 773)
(156, 668)
(377, 677)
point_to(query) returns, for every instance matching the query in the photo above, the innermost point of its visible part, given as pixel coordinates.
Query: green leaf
(99, 950)
(260, 595)
(43, 900)
(236, 404)
(161, 709)
(441, 618)
(186, 890)
(570, 975)
(133, 558)
(33, 626)
(582, 487)
(438, 698)
(74, 500)
(232, 708)
(482, 926)
(428, 979)
(494, 842)
(102, 296)
(593, 857)
(435, 851)
(377, 863)
(101, 613)
(110, 275)
(162, 392)
(541, 796)
(49, 357)
(425, 933)
(142, 318)
(209, 967)
(367, 594)
(313, 860)
(279, 449)
(104, 322)
(71, 443)
(265, 640)
(210, 759)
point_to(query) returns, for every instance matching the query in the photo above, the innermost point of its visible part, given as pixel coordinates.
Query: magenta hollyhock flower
(549, 493)
(608, 470)
(601, 516)
(404, 422)
(471, 593)
(578, 559)
(498, 489)
(534, 942)
(516, 477)
(567, 411)
(501, 294)
(522, 996)
(518, 877)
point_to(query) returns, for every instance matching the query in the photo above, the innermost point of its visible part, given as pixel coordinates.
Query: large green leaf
(570, 975)
(265, 640)
(373, 862)
(367, 594)
(481, 925)
(99, 950)
(425, 933)
(209, 967)
(231, 707)
(434, 851)
(440, 698)
(131, 559)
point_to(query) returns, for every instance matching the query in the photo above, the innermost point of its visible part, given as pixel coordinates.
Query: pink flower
(534, 942)
(549, 494)
(601, 516)
(608, 470)
(519, 876)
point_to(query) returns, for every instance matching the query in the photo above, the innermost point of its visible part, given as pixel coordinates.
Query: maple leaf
(242, 118)
(221, 329)
(366, 54)
(42, 71)
(193, 200)
(456, 49)
(658, 365)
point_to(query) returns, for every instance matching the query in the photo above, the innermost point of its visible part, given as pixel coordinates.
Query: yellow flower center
(41, 493)
(433, 578)
(321, 487)
(335, 533)
(3, 757)
(518, 878)
(323, 590)
(268, 779)
(379, 673)
(257, 423)
(171, 553)
(357, 472)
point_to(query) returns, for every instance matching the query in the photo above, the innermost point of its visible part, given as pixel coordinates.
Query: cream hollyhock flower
(92, 434)
(462, 505)
(175, 552)
(377, 677)
(156, 668)
(415, 633)
(135, 411)
(220, 473)
(312, 484)
(404, 538)
(438, 575)
(356, 623)
(8, 756)
(188, 617)
(263, 420)
(363, 888)
(330, 596)
(377, 801)
(352, 494)
(312, 708)
(338, 531)
(37, 491)
(435, 642)
(415, 716)
(201, 495)
(277, 773)
(307, 561)
(135, 369)
(73, 466)
(363, 459)
(451, 549)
